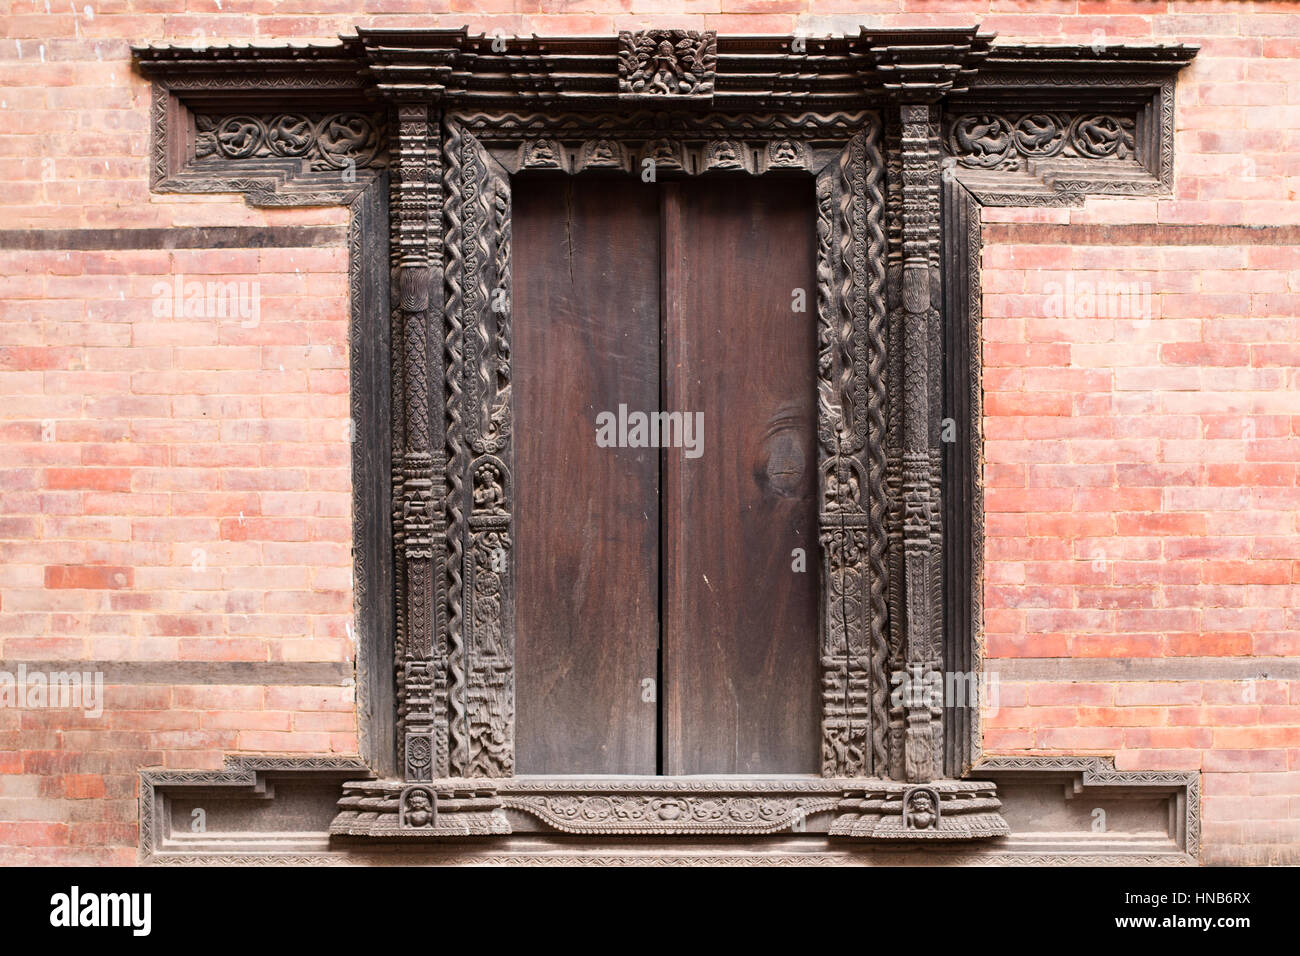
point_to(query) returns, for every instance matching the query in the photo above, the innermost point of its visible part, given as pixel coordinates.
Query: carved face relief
(919, 809)
(418, 808)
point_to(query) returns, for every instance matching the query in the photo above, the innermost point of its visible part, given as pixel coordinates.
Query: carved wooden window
(828, 240)
(456, 335)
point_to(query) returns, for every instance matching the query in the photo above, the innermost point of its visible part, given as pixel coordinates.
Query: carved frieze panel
(326, 140)
(280, 158)
(947, 810)
(666, 63)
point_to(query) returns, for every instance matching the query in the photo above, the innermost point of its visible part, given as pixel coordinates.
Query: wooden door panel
(586, 327)
(740, 643)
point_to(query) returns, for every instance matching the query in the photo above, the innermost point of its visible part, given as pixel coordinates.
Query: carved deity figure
(419, 808)
(724, 156)
(602, 154)
(785, 154)
(542, 154)
(841, 495)
(489, 496)
(920, 810)
(663, 68)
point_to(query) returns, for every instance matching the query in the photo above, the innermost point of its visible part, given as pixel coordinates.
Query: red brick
(88, 577)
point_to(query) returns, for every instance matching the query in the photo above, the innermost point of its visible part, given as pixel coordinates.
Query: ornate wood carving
(666, 63)
(951, 810)
(417, 203)
(480, 468)
(1023, 125)
(843, 151)
(851, 398)
(922, 673)
(673, 806)
(283, 158)
(372, 810)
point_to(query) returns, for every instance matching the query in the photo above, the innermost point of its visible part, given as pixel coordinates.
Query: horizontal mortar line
(1143, 668)
(187, 237)
(1137, 234)
(269, 673)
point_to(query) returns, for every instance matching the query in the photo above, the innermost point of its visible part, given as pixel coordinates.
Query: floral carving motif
(991, 141)
(327, 141)
(650, 813)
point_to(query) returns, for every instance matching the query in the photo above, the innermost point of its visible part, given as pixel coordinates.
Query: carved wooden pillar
(423, 537)
(921, 683)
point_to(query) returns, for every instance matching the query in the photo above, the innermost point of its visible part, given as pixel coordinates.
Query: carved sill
(286, 810)
(670, 807)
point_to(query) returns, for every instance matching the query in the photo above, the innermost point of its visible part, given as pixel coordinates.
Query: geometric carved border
(1085, 773)
(241, 775)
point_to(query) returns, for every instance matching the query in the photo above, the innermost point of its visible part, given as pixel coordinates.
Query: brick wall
(176, 490)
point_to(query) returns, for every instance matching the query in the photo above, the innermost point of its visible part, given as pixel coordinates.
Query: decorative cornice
(736, 72)
(921, 65)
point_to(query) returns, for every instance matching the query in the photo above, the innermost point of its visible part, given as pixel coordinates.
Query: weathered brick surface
(177, 488)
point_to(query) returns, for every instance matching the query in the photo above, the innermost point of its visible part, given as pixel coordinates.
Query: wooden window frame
(906, 132)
